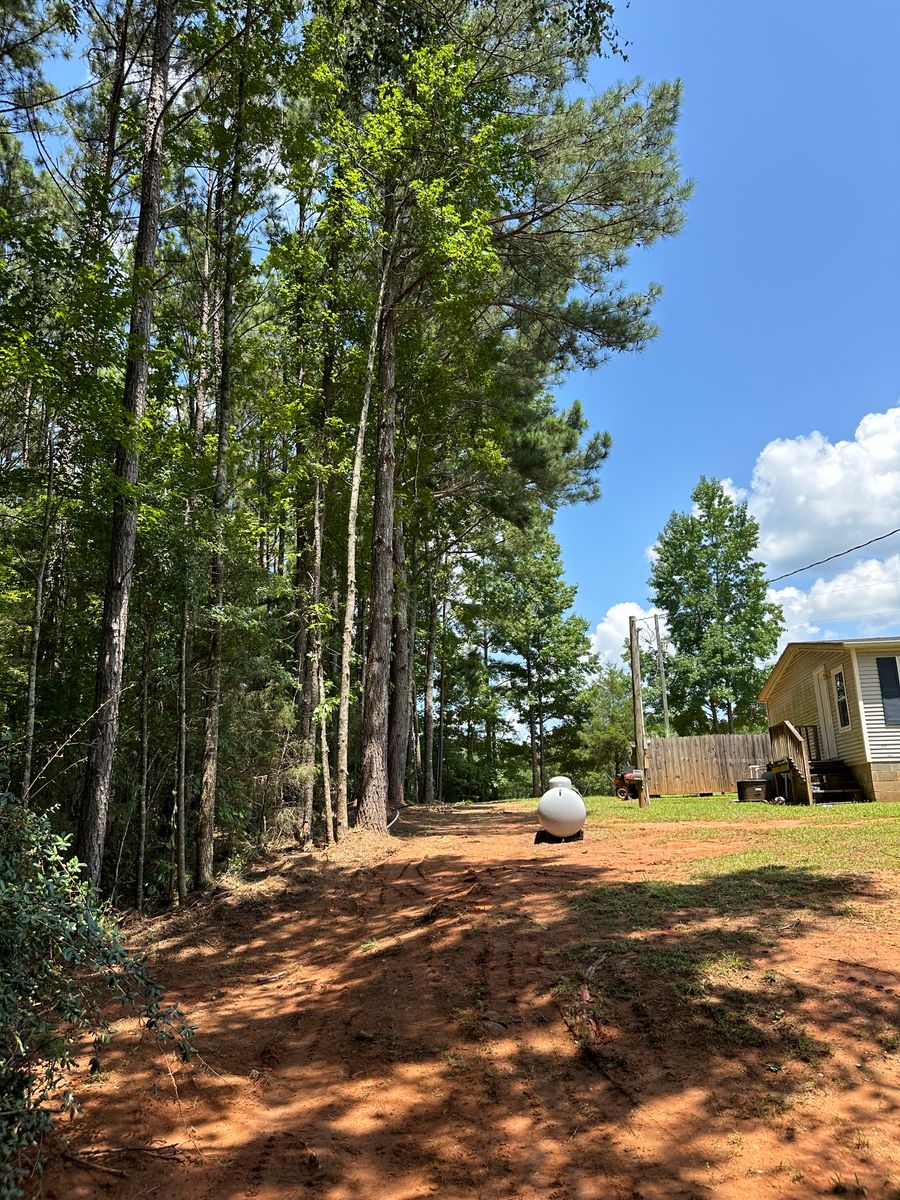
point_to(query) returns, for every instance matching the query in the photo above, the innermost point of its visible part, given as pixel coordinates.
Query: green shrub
(60, 961)
(465, 781)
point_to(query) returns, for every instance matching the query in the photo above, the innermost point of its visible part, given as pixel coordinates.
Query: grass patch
(696, 951)
(748, 891)
(844, 836)
(726, 808)
(850, 848)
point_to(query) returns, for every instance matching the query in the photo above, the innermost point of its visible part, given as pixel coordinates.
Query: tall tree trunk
(206, 360)
(28, 409)
(541, 767)
(428, 701)
(531, 730)
(532, 740)
(114, 628)
(488, 715)
(311, 676)
(412, 741)
(343, 734)
(307, 682)
(413, 752)
(115, 98)
(145, 772)
(281, 552)
(100, 202)
(34, 646)
(327, 805)
(197, 406)
(376, 691)
(442, 695)
(181, 752)
(206, 825)
(401, 671)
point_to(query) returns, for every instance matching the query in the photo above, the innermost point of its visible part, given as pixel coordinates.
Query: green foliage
(61, 962)
(536, 625)
(607, 737)
(451, 139)
(467, 781)
(513, 649)
(721, 625)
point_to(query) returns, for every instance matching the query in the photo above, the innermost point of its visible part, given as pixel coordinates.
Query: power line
(832, 557)
(884, 612)
(870, 584)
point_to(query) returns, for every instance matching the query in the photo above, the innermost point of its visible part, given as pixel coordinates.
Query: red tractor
(629, 783)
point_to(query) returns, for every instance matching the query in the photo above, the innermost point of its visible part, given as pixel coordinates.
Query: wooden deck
(790, 759)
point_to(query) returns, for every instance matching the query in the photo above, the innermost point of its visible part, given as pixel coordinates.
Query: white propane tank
(561, 810)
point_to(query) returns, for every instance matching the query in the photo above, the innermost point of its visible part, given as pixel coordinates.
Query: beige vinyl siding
(851, 745)
(794, 698)
(884, 740)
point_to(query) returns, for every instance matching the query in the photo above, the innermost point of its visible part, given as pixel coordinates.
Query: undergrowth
(61, 961)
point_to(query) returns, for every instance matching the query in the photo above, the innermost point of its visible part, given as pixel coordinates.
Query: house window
(889, 680)
(840, 692)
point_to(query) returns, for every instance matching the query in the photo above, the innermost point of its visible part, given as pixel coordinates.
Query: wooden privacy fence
(714, 763)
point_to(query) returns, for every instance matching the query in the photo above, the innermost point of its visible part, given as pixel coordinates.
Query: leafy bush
(467, 782)
(60, 960)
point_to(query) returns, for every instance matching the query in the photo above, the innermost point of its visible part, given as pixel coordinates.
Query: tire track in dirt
(556, 1096)
(411, 1025)
(283, 1165)
(376, 1068)
(505, 960)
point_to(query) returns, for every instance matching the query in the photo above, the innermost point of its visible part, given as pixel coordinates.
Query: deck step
(831, 780)
(854, 792)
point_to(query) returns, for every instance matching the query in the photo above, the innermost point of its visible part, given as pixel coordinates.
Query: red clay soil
(389, 1023)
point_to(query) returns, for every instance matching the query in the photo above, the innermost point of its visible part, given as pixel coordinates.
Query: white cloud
(732, 491)
(799, 625)
(865, 595)
(813, 497)
(608, 639)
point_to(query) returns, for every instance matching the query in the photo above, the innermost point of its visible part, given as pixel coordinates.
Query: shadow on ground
(474, 1016)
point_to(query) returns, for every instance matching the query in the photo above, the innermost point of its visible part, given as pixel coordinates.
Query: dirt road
(403, 1020)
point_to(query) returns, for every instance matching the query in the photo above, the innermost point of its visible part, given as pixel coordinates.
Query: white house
(844, 698)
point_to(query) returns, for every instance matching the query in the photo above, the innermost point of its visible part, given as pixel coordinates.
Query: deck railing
(788, 743)
(810, 735)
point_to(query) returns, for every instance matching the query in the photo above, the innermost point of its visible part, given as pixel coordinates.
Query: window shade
(889, 679)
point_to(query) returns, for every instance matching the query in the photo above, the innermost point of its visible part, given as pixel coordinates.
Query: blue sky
(780, 312)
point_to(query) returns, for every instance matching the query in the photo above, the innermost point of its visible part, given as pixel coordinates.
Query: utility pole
(640, 750)
(660, 658)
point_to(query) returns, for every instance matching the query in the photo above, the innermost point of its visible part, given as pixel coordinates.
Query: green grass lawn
(851, 837)
(726, 808)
